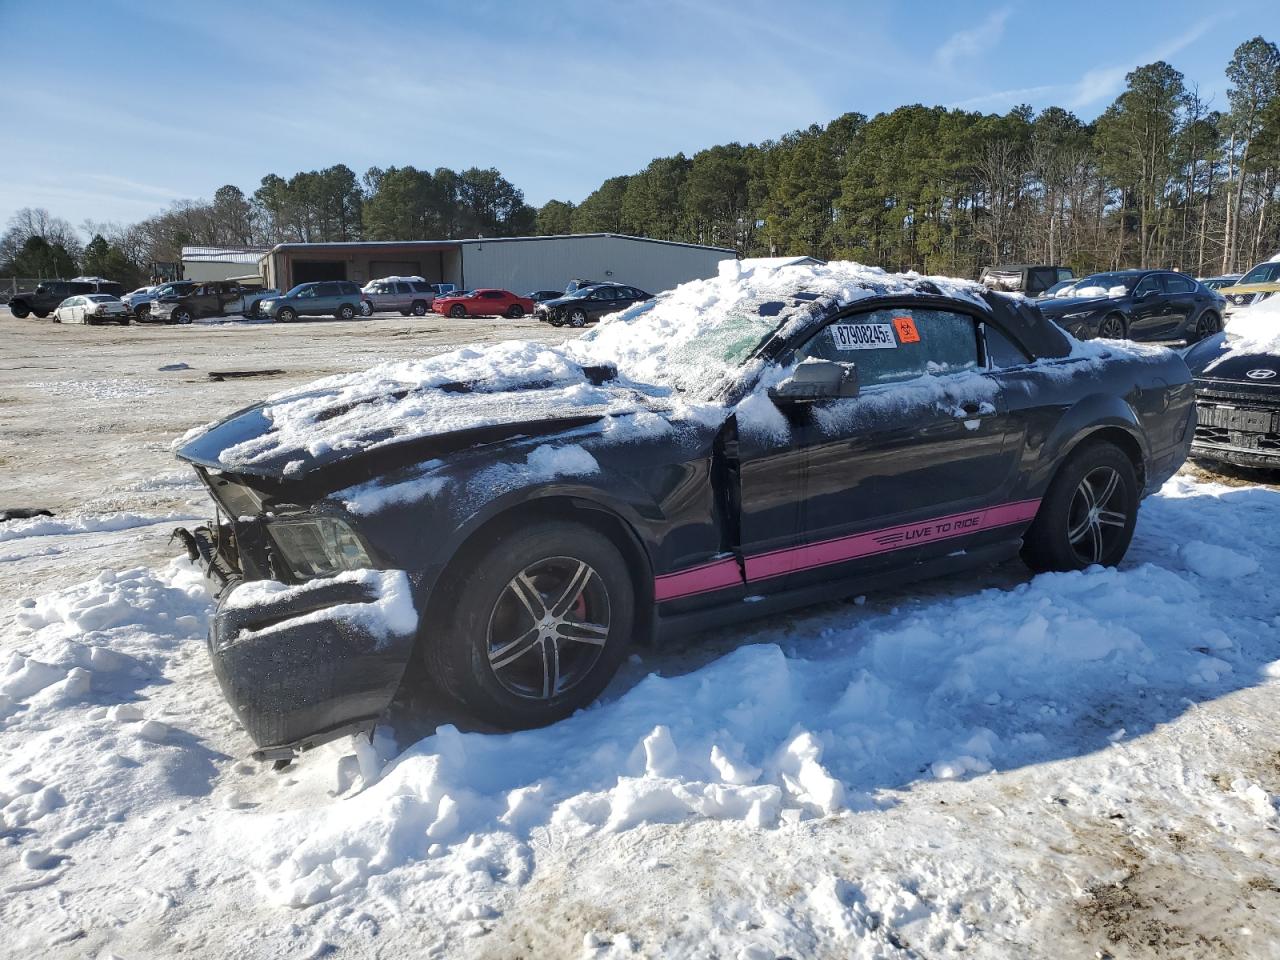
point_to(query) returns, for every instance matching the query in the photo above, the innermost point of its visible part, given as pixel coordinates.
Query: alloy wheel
(1112, 328)
(548, 628)
(1093, 523)
(1206, 326)
(578, 318)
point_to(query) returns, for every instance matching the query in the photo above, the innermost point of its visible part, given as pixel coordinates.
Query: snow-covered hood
(421, 409)
(665, 353)
(1245, 352)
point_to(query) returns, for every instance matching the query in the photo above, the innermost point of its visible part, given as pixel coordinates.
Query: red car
(483, 303)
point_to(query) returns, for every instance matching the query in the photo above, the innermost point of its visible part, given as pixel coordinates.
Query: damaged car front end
(311, 633)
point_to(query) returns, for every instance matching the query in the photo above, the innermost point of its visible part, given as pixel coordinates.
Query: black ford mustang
(1139, 305)
(517, 515)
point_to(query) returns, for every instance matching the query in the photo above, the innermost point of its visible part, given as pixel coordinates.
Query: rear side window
(1001, 351)
(1176, 284)
(417, 287)
(893, 345)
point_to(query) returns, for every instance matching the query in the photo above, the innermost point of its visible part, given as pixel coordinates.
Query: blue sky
(113, 108)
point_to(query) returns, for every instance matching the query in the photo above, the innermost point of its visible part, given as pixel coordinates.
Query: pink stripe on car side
(724, 573)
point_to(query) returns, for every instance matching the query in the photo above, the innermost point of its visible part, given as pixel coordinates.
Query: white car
(92, 308)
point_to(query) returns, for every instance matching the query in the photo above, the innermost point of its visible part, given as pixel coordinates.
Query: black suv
(589, 303)
(44, 299)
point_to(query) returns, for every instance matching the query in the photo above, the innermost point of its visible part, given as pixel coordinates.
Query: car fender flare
(1090, 415)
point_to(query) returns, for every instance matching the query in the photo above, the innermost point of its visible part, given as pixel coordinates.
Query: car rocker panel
(789, 481)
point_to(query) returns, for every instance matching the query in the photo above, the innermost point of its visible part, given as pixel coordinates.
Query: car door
(1181, 293)
(602, 300)
(1149, 315)
(916, 466)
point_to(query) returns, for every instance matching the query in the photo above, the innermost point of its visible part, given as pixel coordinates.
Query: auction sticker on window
(863, 336)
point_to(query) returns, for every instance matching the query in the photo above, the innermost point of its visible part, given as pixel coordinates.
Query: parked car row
(48, 295)
(1137, 305)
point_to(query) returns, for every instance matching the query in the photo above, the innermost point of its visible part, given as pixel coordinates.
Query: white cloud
(971, 42)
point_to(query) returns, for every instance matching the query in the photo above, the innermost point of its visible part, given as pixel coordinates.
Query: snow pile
(684, 341)
(88, 523)
(835, 715)
(1255, 329)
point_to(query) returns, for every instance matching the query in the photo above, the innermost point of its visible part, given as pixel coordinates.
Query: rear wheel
(457, 311)
(1208, 324)
(578, 318)
(419, 309)
(1088, 514)
(515, 312)
(1112, 327)
(41, 313)
(346, 312)
(540, 622)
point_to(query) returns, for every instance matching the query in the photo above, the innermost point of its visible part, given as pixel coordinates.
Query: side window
(893, 345)
(1177, 284)
(493, 294)
(419, 287)
(605, 293)
(1148, 284)
(1001, 351)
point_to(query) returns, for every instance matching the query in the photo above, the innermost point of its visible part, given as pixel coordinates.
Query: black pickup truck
(44, 299)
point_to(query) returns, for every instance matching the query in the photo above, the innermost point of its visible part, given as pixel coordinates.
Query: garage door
(309, 271)
(394, 268)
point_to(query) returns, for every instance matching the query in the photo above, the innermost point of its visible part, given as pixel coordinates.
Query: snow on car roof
(678, 343)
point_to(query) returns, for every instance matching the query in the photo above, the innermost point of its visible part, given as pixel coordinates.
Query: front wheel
(41, 313)
(539, 624)
(20, 311)
(457, 311)
(182, 316)
(1088, 514)
(287, 315)
(366, 308)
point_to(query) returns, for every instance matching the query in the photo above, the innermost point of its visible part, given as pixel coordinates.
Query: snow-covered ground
(991, 765)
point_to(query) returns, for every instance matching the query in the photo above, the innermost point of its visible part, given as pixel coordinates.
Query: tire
(1207, 325)
(346, 312)
(419, 308)
(578, 318)
(124, 321)
(19, 310)
(286, 315)
(41, 313)
(1113, 327)
(555, 667)
(143, 312)
(181, 315)
(457, 311)
(1088, 514)
(515, 312)
(366, 308)
(555, 320)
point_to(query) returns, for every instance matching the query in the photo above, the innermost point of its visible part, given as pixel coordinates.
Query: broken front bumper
(307, 665)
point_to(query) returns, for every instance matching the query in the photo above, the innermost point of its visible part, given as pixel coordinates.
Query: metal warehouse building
(519, 264)
(219, 263)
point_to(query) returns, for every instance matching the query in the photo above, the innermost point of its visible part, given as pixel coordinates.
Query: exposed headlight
(318, 546)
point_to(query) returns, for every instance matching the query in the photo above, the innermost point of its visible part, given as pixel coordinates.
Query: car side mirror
(817, 380)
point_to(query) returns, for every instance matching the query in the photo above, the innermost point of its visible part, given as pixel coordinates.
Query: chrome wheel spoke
(1076, 533)
(1113, 481)
(572, 591)
(528, 596)
(594, 633)
(550, 668)
(514, 650)
(1111, 518)
(1095, 537)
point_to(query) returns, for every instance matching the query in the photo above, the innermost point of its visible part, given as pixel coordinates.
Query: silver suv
(409, 295)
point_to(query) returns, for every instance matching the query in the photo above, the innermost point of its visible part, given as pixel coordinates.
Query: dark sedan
(1138, 305)
(1237, 381)
(588, 304)
(516, 516)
